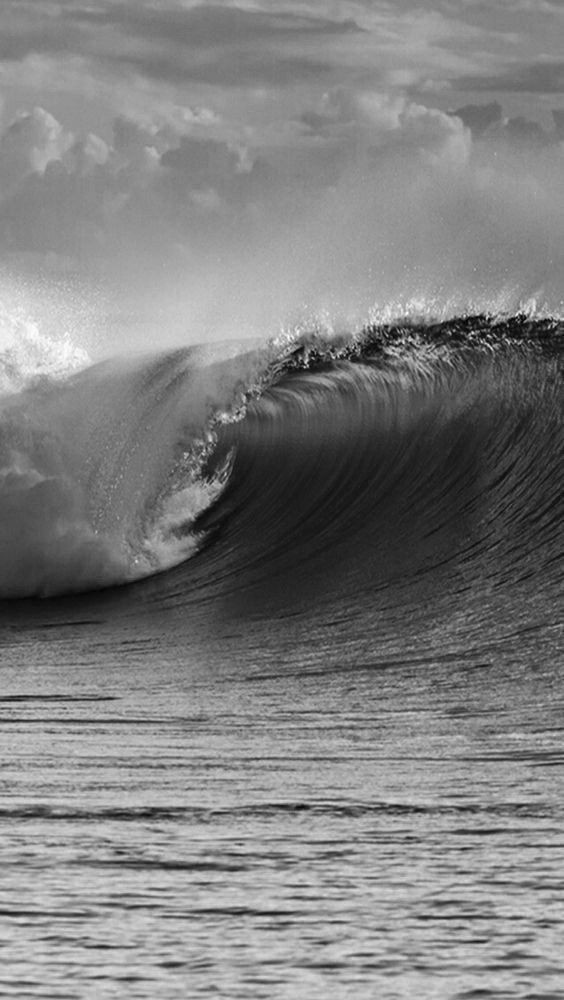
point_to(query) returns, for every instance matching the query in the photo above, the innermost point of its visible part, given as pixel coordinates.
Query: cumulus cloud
(81, 196)
(382, 124)
(30, 142)
(160, 185)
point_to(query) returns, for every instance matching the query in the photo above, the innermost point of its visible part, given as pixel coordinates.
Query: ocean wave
(396, 450)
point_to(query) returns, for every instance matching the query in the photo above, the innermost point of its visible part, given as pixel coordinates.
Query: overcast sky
(255, 63)
(200, 124)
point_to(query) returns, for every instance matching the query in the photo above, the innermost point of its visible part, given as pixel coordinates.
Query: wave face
(393, 468)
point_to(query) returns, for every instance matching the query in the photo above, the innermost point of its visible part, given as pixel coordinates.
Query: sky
(185, 153)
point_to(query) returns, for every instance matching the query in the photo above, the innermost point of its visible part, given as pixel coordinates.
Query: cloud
(160, 184)
(540, 77)
(479, 117)
(211, 25)
(212, 44)
(46, 28)
(211, 174)
(558, 117)
(249, 70)
(487, 122)
(153, 186)
(16, 45)
(522, 131)
(382, 124)
(29, 143)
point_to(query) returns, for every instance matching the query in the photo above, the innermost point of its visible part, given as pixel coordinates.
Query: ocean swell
(378, 461)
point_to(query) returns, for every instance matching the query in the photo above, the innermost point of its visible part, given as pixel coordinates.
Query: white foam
(102, 467)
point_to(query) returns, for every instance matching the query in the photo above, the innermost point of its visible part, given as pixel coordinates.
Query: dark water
(323, 757)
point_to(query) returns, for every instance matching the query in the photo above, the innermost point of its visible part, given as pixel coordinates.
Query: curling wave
(403, 459)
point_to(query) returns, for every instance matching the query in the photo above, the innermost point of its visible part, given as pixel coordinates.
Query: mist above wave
(380, 205)
(423, 217)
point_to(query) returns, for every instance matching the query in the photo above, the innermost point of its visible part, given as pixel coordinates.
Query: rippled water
(175, 824)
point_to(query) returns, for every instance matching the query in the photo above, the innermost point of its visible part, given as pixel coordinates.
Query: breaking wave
(374, 459)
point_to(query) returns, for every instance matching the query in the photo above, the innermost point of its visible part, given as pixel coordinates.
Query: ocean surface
(281, 667)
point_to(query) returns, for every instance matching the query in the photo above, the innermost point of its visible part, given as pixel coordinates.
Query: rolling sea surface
(281, 667)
